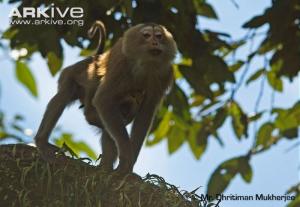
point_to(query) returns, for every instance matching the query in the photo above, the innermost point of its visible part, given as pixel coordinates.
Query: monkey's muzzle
(155, 51)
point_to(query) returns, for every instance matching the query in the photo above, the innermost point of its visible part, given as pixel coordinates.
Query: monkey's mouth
(155, 51)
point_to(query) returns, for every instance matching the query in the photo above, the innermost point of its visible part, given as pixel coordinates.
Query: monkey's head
(149, 42)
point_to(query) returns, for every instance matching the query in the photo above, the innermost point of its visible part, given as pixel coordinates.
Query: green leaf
(264, 134)
(287, 119)
(220, 118)
(239, 120)
(209, 105)
(177, 73)
(84, 148)
(217, 70)
(10, 33)
(205, 9)
(66, 148)
(245, 169)
(295, 203)
(202, 135)
(65, 137)
(266, 46)
(186, 61)
(222, 176)
(3, 135)
(290, 133)
(255, 75)
(256, 22)
(276, 66)
(233, 47)
(161, 131)
(176, 138)
(179, 101)
(54, 62)
(235, 67)
(273, 78)
(274, 81)
(255, 117)
(25, 77)
(74, 147)
(192, 78)
(197, 100)
(180, 122)
(193, 141)
(87, 52)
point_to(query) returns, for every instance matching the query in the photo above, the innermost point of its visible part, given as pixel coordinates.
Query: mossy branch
(27, 180)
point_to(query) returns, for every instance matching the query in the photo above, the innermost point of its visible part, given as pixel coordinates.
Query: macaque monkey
(123, 85)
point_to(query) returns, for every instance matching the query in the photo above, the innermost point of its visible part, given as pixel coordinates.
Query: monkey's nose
(154, 43)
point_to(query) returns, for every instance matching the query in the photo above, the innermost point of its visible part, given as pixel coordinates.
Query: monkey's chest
(146, 79)
(130, 104)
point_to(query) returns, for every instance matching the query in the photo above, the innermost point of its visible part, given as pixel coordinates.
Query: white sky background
(274, 171)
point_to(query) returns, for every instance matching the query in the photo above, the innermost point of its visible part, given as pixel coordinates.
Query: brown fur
(126, 83)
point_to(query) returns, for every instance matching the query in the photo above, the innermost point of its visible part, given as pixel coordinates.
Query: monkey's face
(152, 40)
(149, 42)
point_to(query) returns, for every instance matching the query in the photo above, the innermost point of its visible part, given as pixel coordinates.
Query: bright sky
(274, 171)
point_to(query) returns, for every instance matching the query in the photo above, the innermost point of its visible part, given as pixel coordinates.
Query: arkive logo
(47, 15)
(47, 12)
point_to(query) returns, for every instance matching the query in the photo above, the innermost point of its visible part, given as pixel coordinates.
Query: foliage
(202, 98)
(282, 37)
(66, 139)
(294, 190)
(25, 76)
(11, 129)
(222, 176)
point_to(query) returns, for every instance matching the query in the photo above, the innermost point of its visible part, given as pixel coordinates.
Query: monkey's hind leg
(109, 152)
(65, 95)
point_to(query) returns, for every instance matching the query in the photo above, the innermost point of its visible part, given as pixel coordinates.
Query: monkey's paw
(105, 167)
(51, 153)
(123, 169)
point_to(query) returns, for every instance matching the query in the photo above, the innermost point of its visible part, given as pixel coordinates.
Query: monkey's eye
(146, 35)
(158, 36)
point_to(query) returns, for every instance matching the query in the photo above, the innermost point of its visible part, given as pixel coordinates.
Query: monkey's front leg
(109, 111)
(142, 124)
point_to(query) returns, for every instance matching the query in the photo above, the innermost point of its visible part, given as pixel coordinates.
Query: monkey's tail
(98, 25)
